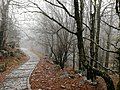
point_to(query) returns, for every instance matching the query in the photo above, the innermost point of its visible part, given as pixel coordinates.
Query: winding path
(18, 79)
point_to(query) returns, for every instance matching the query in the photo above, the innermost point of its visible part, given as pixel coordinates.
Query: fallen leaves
(48, 76)
(62, 86)
(12, 63)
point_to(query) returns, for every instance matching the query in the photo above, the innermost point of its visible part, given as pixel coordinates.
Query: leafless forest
(81, 34)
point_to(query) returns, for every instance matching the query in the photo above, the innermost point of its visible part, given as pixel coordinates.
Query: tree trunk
(118, 12)
(98, 31)
(79, 21)
(73, 56)
(92, 37)
(107, 54)
(104, 75)
(3, 28)
(1, 39)
(118, 58)
(103, 52)
(108, 40)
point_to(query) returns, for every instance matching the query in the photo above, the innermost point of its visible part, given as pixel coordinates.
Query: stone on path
(18, 79)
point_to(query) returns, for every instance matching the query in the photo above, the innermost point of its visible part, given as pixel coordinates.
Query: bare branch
(86, 25)
(99, 45)
(102, 65)
(51, 18)
(58, 23)
(53, 4)
(65, 9)
(110, 25)
(106, 8)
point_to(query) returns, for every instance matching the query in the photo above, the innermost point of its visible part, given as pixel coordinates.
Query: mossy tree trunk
(106, 77)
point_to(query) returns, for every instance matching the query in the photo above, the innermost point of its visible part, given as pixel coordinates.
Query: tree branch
(101, 65)
(110, 25)
(86, 25)
(51, 18)
(65, 9)
(105, 9)
(58, 23)
(53, 4)
(99, 45)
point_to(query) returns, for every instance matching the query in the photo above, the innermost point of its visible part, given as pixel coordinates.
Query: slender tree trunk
(108, 41)
(118, 58)
(51, 54)
(92, 37)
(79, 21)
(103, 52)
(107, 53)
(4, 12)
(118, 12)
(98, 31)
(73, 56)
(118, 84)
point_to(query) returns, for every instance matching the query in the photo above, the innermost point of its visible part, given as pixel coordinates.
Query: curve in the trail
(18, 79)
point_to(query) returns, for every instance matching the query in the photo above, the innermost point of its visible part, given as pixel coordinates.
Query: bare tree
(108, 40)
(4, 15)
(60, 33)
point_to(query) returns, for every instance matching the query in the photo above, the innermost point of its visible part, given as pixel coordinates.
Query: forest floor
(48, 76)
(12, 63)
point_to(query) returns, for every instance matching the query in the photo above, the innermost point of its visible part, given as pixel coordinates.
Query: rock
(80, 74)
(82, 82)
(72, 76)
(89, 81)
(64, 74)
(84, 78)
(94, 83)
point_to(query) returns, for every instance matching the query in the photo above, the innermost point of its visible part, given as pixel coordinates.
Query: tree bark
(104, 75)
(92, 32)
(108, 40)
(98, 31)
(74, 55)
(79, 22)
(118, 58)
(4, 12)
(92, 37)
